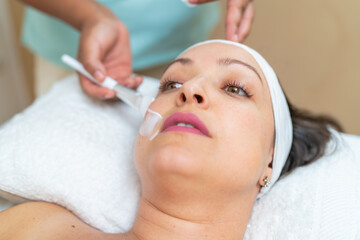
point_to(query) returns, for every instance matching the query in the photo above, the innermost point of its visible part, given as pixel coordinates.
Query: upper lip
(188, 118)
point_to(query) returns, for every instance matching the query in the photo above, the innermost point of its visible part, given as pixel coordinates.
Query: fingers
(104, 50)
(233, 17)
(132, 82)
(239, 18)
(246, 22)
(103, 93)
(95, 90)
(135, 82)
(90, 55)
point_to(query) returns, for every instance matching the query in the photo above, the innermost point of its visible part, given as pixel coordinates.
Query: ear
(268, 169)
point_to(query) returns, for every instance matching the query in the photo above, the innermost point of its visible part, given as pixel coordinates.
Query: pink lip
(189, 118)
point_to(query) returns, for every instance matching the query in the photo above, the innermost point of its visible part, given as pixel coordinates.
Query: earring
(267, 182)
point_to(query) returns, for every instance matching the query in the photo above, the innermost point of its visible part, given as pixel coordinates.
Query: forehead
(209, 53)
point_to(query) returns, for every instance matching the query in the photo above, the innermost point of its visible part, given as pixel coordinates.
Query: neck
(154, 223)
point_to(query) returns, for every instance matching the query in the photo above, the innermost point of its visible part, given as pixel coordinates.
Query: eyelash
(163, 86)
(238, 85)
(166, 83)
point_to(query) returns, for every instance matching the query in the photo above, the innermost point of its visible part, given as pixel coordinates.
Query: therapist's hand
(239, 18)
(104, 50)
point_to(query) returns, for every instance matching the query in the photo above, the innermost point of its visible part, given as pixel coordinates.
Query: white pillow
(318, 201)
(77, 152)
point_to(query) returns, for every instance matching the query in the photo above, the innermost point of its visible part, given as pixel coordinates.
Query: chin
(174, 160)
(172, 172)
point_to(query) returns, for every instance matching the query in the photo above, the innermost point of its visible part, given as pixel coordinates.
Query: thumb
(95, 68)
(91, 57)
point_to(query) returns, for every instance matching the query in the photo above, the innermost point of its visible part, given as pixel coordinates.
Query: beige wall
(14, 86)
(314, 46)
(17, 10)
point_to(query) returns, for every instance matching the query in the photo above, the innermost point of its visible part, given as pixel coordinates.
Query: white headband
(282, 118)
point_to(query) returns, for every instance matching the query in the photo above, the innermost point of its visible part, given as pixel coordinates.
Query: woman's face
(222, 87)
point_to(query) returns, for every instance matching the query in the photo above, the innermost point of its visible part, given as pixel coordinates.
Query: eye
(236, 88)
(173, 85)
(169, 85)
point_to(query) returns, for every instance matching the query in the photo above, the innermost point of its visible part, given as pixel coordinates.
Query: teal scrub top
(159, 30)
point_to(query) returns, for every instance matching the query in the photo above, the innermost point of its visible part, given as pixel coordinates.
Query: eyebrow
(221, 62)
(230, 61)
(183, 61)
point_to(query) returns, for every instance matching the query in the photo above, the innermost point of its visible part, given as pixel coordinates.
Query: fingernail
(98, 75)
(107, 96)
(127, 84)
(236, 38)
(137, 79)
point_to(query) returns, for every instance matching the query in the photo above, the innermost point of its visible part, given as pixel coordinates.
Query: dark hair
(310, 137)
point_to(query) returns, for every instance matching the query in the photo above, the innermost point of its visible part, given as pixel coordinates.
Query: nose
(192, 92)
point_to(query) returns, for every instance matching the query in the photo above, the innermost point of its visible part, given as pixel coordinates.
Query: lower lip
(183, 129)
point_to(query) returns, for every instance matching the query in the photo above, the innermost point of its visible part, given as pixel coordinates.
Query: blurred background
(314, 46)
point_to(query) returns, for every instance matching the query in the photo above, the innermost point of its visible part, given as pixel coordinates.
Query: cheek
(161, 100)
(145, 145)
(242, 146)
(243, 126)
(140, 151)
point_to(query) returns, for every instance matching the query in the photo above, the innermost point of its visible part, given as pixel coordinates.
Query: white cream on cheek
(151, 120)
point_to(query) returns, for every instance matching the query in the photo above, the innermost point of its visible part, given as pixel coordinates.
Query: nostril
(183, 97)
(199, 98)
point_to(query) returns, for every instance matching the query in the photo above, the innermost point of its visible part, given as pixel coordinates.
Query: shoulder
(41, 220)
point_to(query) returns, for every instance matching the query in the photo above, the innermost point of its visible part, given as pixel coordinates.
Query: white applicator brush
(129, 96)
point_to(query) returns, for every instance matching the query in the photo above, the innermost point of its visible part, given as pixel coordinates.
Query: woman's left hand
(239, 18)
